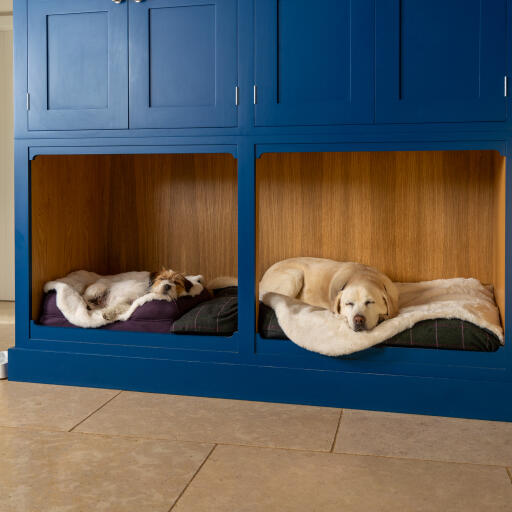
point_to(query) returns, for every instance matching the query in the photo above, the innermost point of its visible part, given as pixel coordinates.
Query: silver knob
(117, 1)
(138, 1)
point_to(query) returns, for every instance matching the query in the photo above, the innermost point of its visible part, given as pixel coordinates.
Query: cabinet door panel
(314, 62)
(440, 60)
(78, 67)
(183, 69)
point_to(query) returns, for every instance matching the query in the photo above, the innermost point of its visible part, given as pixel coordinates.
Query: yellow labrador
(361, 294)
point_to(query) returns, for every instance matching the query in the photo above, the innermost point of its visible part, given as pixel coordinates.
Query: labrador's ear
(336, 305)
(386, 315)
(391, 299)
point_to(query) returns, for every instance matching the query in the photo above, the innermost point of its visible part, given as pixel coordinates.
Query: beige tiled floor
(66, 449)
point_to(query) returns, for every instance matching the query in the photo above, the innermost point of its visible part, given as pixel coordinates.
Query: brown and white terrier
(170, 283)
(115, 294)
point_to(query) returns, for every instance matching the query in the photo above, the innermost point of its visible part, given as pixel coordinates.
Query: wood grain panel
(499, 233)
(115, 213)
(414, 215)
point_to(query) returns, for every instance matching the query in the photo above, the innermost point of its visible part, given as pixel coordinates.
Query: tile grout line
(336, 433)
(263, 447)
(509, 473)
(193, 477)
(95, 411)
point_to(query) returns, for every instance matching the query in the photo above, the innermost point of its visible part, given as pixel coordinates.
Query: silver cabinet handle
(138, 1)
(117, 1)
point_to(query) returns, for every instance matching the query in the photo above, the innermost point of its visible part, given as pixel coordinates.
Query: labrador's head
(364, 304)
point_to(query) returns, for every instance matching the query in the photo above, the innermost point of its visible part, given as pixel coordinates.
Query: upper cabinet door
(440, 60)
(314, 62)
(183, 63)
(77, 65)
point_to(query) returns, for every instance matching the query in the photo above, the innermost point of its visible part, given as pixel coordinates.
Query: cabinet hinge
(505, 86)
(28, 101)
(255, 95)
(237, 95)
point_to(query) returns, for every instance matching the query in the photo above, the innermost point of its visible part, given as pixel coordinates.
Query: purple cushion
(154, 316)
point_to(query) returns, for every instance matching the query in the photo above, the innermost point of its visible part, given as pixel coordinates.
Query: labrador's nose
(359, 321)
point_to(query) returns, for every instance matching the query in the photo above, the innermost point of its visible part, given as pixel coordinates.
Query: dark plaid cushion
(218, 316)
(446, 333)
(442, 333)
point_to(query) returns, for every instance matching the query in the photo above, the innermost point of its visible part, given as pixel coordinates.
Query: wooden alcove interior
(116, 213)
(414, 215)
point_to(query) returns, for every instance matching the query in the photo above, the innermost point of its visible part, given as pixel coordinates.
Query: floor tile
(246, 479)
(6, 312)
(43, 406)
(425, 437)
(6, 336)
(216, 420)
(68, 472)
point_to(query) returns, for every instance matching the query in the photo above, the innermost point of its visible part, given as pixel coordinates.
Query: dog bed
(219, 316)
(153, 316)
(63, 306)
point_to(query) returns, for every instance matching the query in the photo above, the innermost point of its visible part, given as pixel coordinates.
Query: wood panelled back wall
(414, 215)
(115, 213)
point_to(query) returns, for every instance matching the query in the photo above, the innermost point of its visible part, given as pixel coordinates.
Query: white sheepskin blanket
(72, 305)
(322, 331)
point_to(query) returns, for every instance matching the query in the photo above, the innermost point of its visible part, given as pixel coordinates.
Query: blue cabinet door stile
(77, 65)
(183, 63)
(314, 62)
(440, 61)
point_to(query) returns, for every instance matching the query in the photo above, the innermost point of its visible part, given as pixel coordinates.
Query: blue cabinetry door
(440, 60)
(77, 64)
(183, 63)
(314, 62)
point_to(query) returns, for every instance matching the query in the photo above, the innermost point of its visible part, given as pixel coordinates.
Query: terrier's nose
(359, 321)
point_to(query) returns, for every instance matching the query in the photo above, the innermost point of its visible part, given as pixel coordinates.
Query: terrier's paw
(110, 315)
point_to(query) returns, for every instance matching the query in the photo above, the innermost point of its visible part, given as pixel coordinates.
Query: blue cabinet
(103, 64)
(183, 63)
(440, 60)
(313, 62)
(77, 64)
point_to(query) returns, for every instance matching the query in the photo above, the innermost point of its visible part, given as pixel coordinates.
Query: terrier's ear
(187, 284)
(152, 278)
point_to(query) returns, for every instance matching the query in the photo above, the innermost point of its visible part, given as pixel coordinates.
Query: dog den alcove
(415, 215)
(117, 213)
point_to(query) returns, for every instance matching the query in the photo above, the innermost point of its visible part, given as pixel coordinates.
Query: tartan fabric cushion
(218, 316)
(443, 333)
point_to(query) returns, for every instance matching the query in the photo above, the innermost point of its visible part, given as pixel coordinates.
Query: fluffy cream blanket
(71, 303)
(322, 331)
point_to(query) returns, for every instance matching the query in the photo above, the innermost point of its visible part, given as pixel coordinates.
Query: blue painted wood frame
(397, 360)
(77, 65)
(387, 378)
(442, 60)
(27, 330)
(313, 62)
(396, 393)
(166, 36)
